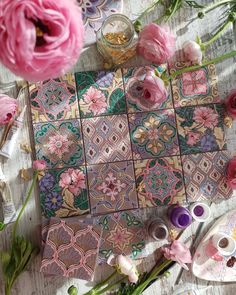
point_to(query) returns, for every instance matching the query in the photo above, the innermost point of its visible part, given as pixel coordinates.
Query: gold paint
(39, 32)
(24, 174)
(26, 148)
(118, 38)
(173, 234)
(228, 121)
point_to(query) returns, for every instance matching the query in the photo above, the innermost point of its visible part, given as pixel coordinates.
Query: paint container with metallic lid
(157, 229)
(180, 217)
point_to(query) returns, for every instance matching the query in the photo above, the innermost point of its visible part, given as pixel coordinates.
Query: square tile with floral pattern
(59, 143)
(100, 93)
(71, 248)
(106, 139)
(196, 87)
(153, 134)
(201, 128)
(204, 176)
(63, 192)
(112, 187)
(54, 99)
(160, 181)
(133, 81)
(123, 233)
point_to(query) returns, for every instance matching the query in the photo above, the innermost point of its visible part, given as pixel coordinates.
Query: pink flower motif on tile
(111, 186)
(120, 237)
(73, 180)
(195, 83)
(59, 144)
(206, 117)
(96, 100)
(193, 138)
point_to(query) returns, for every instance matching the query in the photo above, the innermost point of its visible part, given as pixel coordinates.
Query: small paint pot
(180, 217)
(157, 229)
(225, 245)
(200, 211)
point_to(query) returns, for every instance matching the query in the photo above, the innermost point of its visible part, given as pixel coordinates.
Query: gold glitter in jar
(118, 38)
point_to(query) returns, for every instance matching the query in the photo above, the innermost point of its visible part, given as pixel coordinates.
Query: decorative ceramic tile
(100, 93)
(196, 87)
(201, 129)
(204, 176)
(123, 233)
(71, 248)
(112, 187)
(133, 80)
(159, 181)
(59, 143)
(94, 13)
(54, 99)
(106, 139)
(153, 134)
(63, 192)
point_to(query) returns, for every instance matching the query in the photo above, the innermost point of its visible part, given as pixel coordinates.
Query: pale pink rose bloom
(39, 165)
(39, 39)
(8, 108)
(59, 145)
(205, 116)
(156, 43)
(178, 252)
(73, 180)
(231, 173)
(193, 138)
(96, 100)
(192, 52)
(154, 88)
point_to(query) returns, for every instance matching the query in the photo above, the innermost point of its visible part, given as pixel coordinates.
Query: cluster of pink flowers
(73, 180)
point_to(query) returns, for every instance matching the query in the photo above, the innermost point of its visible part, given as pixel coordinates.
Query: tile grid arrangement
(110, 150)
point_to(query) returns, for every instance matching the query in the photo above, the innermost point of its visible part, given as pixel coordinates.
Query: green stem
(206, 63)
(177, 2)
(24, 205)
(109, 287)
(217, 34)
(100, 285)
(215, 5)
(7, 290)
(148, 10)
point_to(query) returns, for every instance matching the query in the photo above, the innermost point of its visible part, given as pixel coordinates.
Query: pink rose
(192, 52)
(154, 88)
(40, 39)
(39, 165)
(156, 44)
(193, 138)
(178, 252)
(73, 180)
(231, 173)
(8, 108)
(231, 103)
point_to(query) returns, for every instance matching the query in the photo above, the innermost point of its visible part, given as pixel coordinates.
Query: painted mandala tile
(204, 176)
(160, 181)
(100, 93)
(196, 87)
(54, 99)
(123, 233)
(106, 139)
(59, 143)
(133, 81)
(153, 134)
(71, 248)
(63, 192)
(201, 128)
(112, 187)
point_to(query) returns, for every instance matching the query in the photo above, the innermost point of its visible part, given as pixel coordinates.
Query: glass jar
(117, 40)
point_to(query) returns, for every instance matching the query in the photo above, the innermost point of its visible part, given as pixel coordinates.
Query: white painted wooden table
(32, 281)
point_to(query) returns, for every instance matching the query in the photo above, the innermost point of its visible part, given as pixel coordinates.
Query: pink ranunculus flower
(192, 52)
(40, 39)
(154, 88)
(193, 138)
(9, 108)
(231, 103)
(73, 180)
(96, 100)
(156, 43)
(231, 173)
(206, 116)
(178, 252)
(39, 165)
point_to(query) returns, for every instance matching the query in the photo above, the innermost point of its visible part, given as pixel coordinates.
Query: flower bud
(72, 290)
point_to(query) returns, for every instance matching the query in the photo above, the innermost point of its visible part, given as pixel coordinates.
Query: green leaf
(5, 258)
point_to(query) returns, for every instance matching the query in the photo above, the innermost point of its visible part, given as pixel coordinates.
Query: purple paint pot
(200, 211)
(180, 217)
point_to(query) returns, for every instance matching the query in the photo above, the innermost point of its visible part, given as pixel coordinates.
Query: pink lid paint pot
(200, 211)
